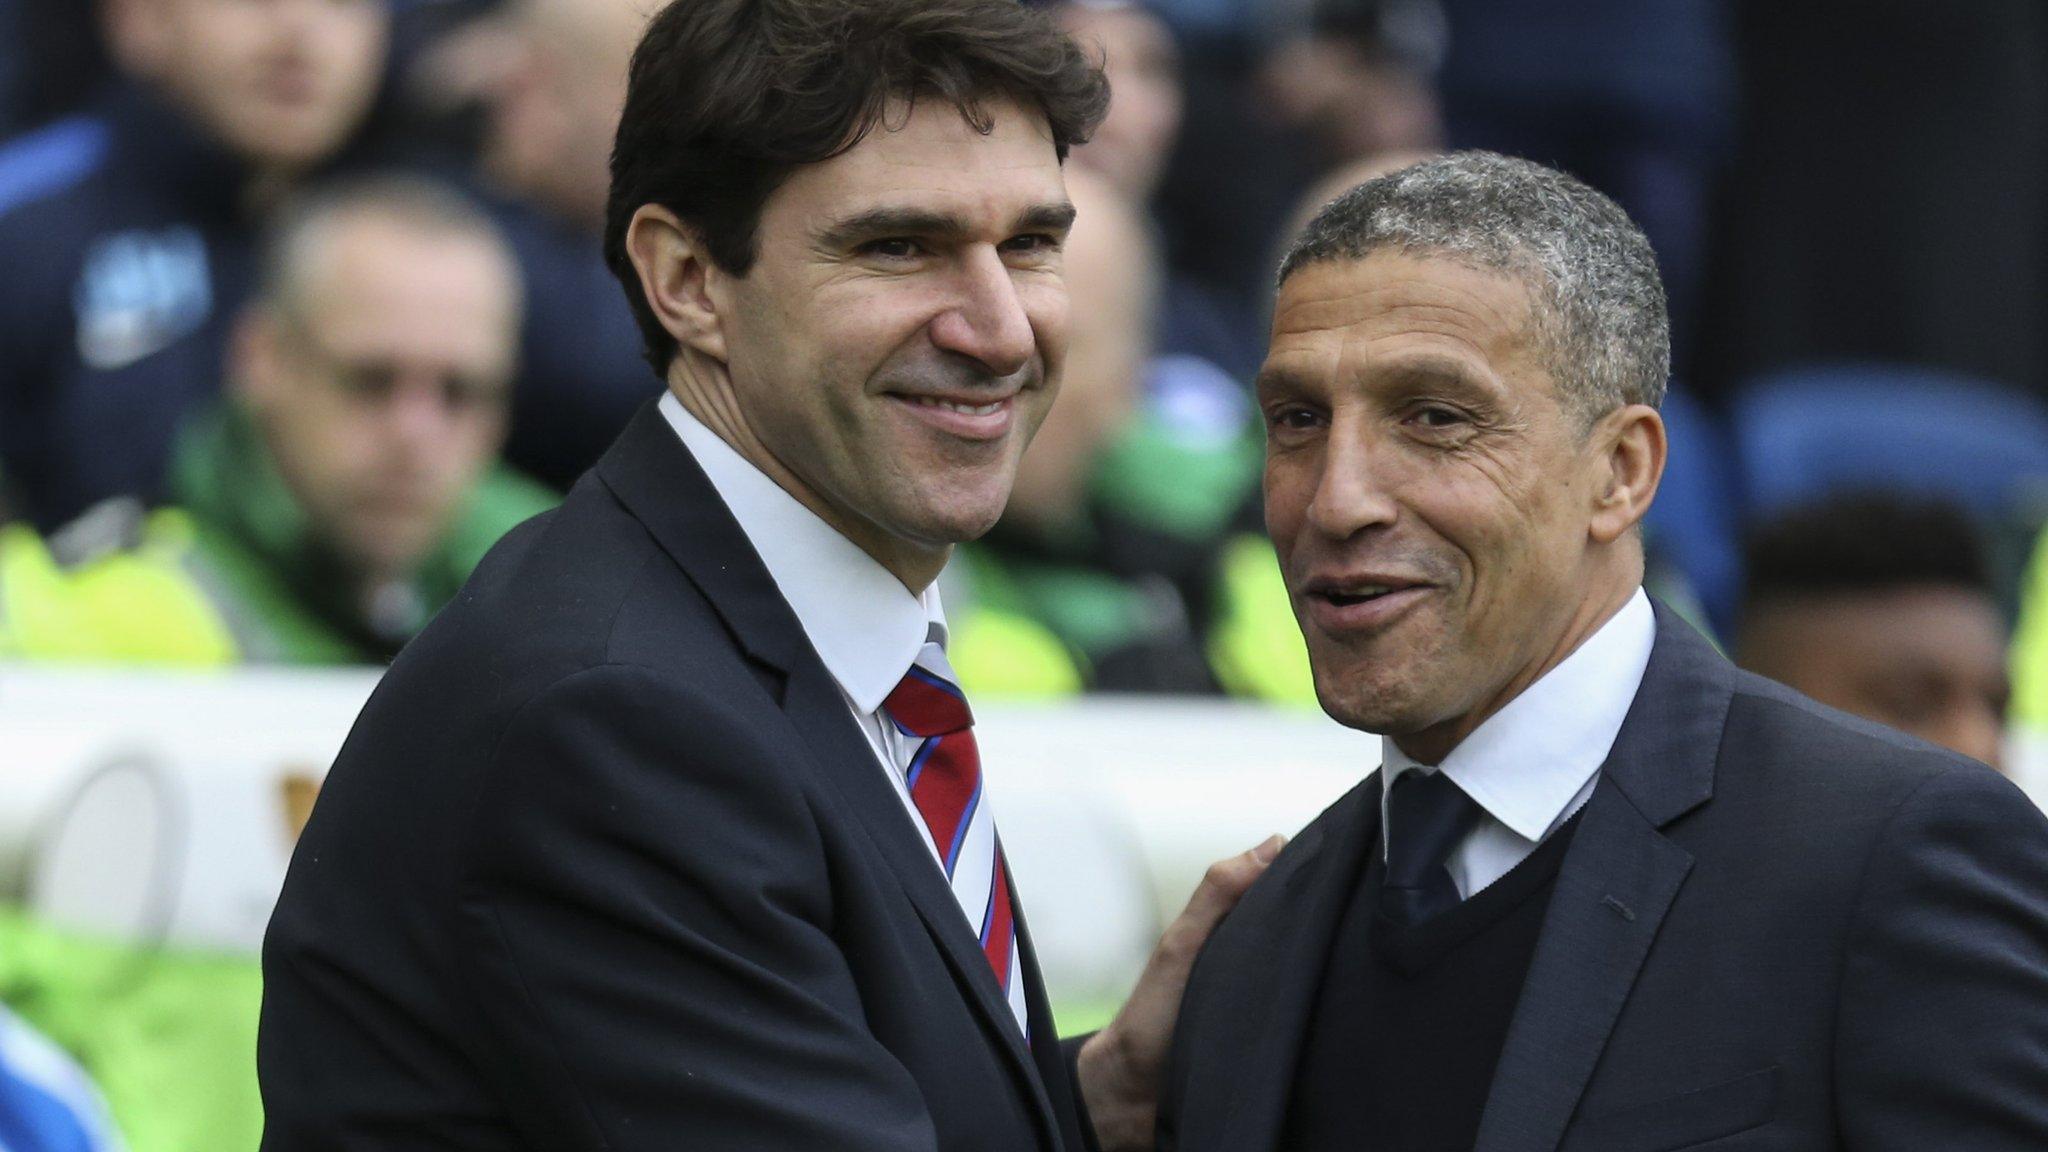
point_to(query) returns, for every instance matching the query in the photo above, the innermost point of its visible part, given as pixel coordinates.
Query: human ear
(675, 279)
(1631, 447)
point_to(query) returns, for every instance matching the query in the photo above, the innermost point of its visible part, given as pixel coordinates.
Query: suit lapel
(1618, 880)
(1295, 934)
(658, 481)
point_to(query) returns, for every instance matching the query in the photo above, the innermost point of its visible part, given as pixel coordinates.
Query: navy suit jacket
(1776, 928)
(607, 864)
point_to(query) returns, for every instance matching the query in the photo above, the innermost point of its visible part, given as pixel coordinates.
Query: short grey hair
(1598, 303)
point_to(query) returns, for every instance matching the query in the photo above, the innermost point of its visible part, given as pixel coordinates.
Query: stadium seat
(1801, 434)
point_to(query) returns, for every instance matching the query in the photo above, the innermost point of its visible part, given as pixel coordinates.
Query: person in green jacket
(349, 482)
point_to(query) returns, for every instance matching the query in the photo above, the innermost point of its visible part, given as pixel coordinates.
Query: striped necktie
(944, 777)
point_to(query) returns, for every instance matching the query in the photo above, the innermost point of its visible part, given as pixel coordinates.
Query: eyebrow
(1270, 380)
(1434, 369)
(898, 221)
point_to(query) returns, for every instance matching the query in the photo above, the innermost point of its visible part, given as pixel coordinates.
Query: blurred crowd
(304, 305)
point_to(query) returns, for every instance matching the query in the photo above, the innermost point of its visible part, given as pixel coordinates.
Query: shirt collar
(865, 625)
(1527, 762)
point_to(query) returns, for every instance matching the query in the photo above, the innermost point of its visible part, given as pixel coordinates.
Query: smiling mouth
(1364, 595)
(989, 409)
(1362, 608)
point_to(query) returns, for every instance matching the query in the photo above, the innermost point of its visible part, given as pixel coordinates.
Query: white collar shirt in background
(1532, 765)
(866, 626)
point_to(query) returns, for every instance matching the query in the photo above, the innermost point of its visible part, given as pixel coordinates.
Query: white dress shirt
(865, 625)
(1532, 765)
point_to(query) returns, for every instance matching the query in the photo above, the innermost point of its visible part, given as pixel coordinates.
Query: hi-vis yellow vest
(146, 604)
(2030, 645)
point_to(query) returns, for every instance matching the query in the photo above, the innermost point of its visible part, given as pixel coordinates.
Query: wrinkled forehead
(1390, 302)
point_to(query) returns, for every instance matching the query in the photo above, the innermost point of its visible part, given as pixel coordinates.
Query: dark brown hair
(727, 97)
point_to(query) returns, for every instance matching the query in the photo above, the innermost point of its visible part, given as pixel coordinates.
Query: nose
(1350, 495)
(989, 323)
(416, 412)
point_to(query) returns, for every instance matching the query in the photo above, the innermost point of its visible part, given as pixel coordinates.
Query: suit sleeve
(645, 932)
(1942, 1039)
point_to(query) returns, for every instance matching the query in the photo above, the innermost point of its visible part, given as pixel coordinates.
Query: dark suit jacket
(1776, 928)
(607, 864)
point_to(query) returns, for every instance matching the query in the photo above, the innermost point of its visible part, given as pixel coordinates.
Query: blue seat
(1695, 524)
(1802, 434)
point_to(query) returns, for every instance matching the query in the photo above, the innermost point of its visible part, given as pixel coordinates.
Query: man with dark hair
(1884, 606)
(1606, 890)
(671, 832)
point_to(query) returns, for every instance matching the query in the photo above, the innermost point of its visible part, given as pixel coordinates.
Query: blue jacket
(126, 251)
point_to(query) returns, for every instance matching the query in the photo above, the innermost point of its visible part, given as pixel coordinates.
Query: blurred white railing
(155, 805)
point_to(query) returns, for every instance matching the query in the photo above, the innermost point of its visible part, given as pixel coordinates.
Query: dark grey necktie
(1427, 815)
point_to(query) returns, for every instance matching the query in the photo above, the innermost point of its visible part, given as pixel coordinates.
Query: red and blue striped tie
(944, 775)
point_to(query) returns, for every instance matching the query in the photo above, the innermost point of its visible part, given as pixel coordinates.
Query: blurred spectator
(1096, 577)
(551, 76)
(1889, 196)
(46, 1103)
(1636, 97)
(2030, 645)
(1132, 149)
(52, 61)
(1359, 77)
(349, 486)
(1268, 111)
(1883, 606)
(128, 232)
(1142, 61)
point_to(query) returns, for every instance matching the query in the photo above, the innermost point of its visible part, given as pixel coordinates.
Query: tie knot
(1427, 814)
(926, 702)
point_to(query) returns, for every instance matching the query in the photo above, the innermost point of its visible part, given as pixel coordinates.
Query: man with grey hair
(1606, 891)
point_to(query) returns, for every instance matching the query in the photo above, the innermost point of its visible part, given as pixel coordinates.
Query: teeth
(1361, 593)
(965, 409)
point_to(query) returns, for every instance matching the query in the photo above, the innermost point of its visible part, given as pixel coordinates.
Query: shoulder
(577, 657)
(502, 500)
(559, 593)
(1835, 803)
(1773, 728)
